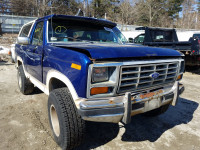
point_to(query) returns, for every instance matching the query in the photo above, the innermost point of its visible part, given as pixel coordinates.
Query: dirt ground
(24, 122)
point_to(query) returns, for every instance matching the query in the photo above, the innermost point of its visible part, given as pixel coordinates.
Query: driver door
(35, 52)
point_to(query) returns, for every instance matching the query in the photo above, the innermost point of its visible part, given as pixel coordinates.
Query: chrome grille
(137, 77)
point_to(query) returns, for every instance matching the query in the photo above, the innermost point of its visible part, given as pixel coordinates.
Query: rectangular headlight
(100, 74)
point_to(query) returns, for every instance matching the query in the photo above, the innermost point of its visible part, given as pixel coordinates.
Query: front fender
(61, 61)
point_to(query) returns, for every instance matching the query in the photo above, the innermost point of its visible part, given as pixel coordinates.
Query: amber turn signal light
(179, 77)
(9, 53)
(99, 90)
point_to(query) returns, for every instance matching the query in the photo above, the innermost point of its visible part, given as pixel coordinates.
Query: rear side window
(25, 30)
(139, 39)
(161, 36)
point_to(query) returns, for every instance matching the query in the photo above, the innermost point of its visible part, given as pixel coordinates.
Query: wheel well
(19, 63)
(55, 84)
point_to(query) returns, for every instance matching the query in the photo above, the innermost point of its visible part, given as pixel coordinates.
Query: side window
(25, 30)
(139, 39)
(38, 34)
(136, 40)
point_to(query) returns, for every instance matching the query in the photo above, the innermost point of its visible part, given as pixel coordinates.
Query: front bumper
(121, 108)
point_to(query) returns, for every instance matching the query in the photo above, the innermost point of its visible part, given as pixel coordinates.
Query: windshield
(63, 31)
(196, 36)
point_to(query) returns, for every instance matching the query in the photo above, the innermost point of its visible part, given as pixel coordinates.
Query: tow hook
(127, 108)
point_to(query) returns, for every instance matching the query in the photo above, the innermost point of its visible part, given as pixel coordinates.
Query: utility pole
(84, 7)
(44, 8)
(51, 7)
(196, 20)
(88, 9)
(38, 12)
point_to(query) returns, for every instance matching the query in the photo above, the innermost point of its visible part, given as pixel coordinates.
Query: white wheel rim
(54, 120)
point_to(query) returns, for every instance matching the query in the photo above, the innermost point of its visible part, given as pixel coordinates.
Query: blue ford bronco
(91, 73)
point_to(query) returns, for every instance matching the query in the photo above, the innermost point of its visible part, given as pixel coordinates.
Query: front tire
(67, 126)
(24, 84)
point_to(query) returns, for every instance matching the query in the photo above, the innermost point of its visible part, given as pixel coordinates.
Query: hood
(104, 51)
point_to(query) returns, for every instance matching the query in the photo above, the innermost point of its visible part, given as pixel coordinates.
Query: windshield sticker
(38, 30)
(60, 29)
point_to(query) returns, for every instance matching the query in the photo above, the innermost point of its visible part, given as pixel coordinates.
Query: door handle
(34, 49)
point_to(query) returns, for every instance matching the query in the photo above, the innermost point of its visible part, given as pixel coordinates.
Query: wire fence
(12, 24)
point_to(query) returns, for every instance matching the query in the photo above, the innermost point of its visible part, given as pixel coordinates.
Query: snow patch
(15, 123)
(4, 50)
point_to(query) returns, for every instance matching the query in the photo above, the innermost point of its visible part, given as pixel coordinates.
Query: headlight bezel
(182, 67)
(111, 83)
(181, 70)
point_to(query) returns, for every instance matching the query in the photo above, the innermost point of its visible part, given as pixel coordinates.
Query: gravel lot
(24, 122)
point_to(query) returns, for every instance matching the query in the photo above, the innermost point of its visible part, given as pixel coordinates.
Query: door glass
(139, 39)
(25, 30)
(38, 34)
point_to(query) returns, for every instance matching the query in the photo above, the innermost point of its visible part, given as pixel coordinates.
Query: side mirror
(23, 40)
(130, 40)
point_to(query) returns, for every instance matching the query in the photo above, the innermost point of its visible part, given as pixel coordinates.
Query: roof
(83, 19)
(152, 28)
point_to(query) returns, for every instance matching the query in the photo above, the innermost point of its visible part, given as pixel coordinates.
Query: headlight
(100, 74)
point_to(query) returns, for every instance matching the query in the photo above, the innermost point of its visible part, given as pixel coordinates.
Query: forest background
(156, 13)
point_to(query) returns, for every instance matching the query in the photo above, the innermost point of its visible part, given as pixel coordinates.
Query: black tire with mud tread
(72, 127)
(157, 111)
(26, 86)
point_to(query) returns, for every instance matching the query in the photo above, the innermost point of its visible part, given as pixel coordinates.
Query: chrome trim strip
(138, 62)
(114, 118)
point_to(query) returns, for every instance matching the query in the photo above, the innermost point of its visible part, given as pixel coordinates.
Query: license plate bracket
(154, 103)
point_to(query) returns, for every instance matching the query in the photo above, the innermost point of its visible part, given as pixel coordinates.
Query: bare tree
(126, 11)
(5, 7)
(188, 18)
(163, 13)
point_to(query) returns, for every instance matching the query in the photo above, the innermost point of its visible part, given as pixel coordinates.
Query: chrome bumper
(121, 108)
